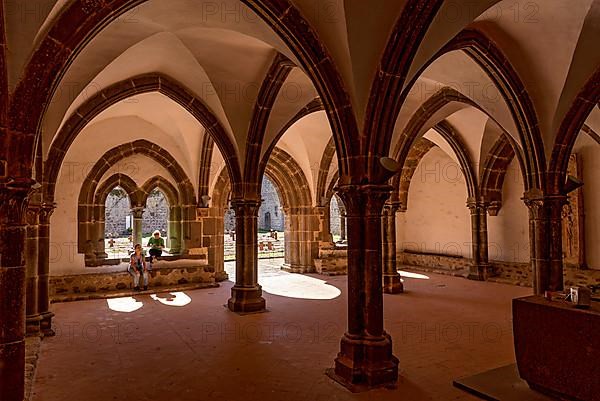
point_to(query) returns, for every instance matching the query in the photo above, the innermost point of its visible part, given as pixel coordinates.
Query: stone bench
(164, 273)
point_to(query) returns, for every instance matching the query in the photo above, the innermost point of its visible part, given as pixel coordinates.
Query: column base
(46, 324)
(32, 325)
(177, 252)
(478, 273)
(392, 284)
(300, 269)
(246, 300)
(363, 364)
(12, 371)
(221, 276)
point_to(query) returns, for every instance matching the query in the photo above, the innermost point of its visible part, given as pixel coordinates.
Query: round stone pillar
(246, 294)
(44, 270)
(545, 237)
(479, 242)
(13, 204)
(392, 281)
(136, 233)
(365, 359)
(32, 316)
(174, 234)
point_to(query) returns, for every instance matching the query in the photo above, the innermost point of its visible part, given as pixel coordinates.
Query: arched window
(156, 216)
(118, 223)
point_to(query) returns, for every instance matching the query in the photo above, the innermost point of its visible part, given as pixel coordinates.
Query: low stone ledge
(332, 262)
(458, 264)
(440, 271)
(130, 293)
(513, 273)
(163, 274)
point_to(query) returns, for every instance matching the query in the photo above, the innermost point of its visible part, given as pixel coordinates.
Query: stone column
(174, 233)
(44, 270)
(301, 246)
(213, 232)
(246, 294)
(101, 233)
(13, 205)
(545, 238)
(191, 228)
(479, 240)
(392, 281)
(555, 205)
(342, 224)
(32, 316)
(365, 358)
(324, 224)
(136, 233)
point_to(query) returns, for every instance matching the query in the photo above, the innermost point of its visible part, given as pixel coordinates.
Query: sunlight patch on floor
(406, 274)
(299, 286)
(172, 299)
(125, 304)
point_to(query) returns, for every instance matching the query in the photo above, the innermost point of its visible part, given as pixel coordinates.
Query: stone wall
(117, 209)
(270, 208)
(444, 262)
(271, 204)
(499, 271)
(156, 216)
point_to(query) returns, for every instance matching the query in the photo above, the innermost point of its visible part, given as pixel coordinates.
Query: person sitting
(137, 267)
(156, 244)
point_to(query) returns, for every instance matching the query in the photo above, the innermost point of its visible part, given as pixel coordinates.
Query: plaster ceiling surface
(491, 135)
(451, 18)
(227, 58)
(438, 140)
(221, 52)
(295, 94)
(100, 137)
(459, 72)
(539, 39)
(180, 127)
(305, 141)
(470, 124)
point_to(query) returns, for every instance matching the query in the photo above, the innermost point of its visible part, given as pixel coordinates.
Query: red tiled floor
(443, 328)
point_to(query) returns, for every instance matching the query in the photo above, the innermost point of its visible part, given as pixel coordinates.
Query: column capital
(33, 214)
(245, 206)
(359, 199)
(477, 205)
(14, 200)
(46, 210)
(394, 206)
(494, 207)
(538, 202)
(138, 212)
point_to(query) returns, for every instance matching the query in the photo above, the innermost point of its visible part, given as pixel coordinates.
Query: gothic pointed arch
(587, 99)
(59, 47)
(123, 90)
(162, 184)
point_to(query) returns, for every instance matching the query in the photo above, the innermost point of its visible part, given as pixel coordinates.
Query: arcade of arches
(443, 137)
